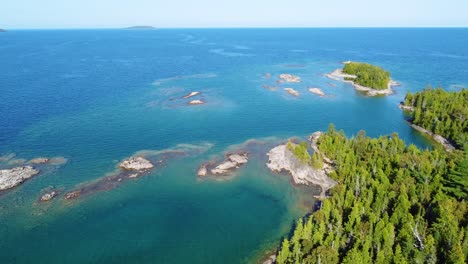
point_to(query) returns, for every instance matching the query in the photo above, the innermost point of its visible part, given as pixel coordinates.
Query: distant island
(141, 27)
(2, 30)
(365, 77)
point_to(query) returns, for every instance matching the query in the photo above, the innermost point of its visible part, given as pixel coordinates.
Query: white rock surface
(232, 162)
(14, 177)
(292, 92)
(290, 78)
(282, 159)
(136, 163)
(317, 91)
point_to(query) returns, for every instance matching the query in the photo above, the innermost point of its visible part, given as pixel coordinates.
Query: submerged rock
(48, 196)
(14, 177)
(136, 163)
(39, 160)
(73, 195)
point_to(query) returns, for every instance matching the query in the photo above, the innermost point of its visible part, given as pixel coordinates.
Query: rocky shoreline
(280, 158)
(438, 138)
(339, 75)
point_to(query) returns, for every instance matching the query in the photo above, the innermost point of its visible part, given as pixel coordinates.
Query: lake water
(96, 97)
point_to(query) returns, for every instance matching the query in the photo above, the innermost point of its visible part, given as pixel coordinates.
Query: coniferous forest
(368, 75)
(394, 203)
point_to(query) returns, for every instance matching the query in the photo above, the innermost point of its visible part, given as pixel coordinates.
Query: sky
(32, 14)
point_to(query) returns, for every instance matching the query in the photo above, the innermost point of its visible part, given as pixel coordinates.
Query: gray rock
(14, 177)
(136, 163)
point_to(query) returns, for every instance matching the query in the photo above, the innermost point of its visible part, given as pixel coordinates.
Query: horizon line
(246, 27)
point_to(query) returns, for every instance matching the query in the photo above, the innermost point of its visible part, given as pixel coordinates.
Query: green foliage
(389, 206)
(300, 151)
(368, 75)
(441, 112)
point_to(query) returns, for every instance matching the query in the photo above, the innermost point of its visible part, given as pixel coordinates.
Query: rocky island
(196, 102)
(317, 91)
(232, 162)
(364, 77)
(191, 94)
(289, 78)
(10, 178)
(292, 92)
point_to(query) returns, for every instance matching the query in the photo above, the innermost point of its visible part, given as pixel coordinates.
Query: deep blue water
(98, 96)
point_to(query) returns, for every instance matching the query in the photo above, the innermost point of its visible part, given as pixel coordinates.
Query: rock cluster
(231, 163)
(13, 177)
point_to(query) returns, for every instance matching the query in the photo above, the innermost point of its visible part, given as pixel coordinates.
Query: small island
(141, 27)
(292, 92)
(365, 77)
(2, 30)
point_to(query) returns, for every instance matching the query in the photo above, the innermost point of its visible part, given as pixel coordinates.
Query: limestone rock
(13, 177)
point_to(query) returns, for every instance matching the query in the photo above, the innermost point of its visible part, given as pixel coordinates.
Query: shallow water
(96, 97)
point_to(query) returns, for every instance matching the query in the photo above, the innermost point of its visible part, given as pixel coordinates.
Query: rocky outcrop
(404, 107)
(13, 177)
(48, 196)
(317, 91)
(136, 164)
(292, 92)
(280, 158)
(231, 163)
(289, 78)
(191, 94)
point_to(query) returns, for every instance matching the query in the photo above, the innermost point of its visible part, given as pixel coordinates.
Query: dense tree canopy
(390, 206)
(444, 113)
(368, 75)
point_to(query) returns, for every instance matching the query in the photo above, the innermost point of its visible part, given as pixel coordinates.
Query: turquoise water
(96, 97)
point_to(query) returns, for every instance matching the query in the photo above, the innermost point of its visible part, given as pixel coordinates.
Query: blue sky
(236, 13)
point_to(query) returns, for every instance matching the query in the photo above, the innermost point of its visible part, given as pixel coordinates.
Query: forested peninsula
(440, 112)
(393, 203)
